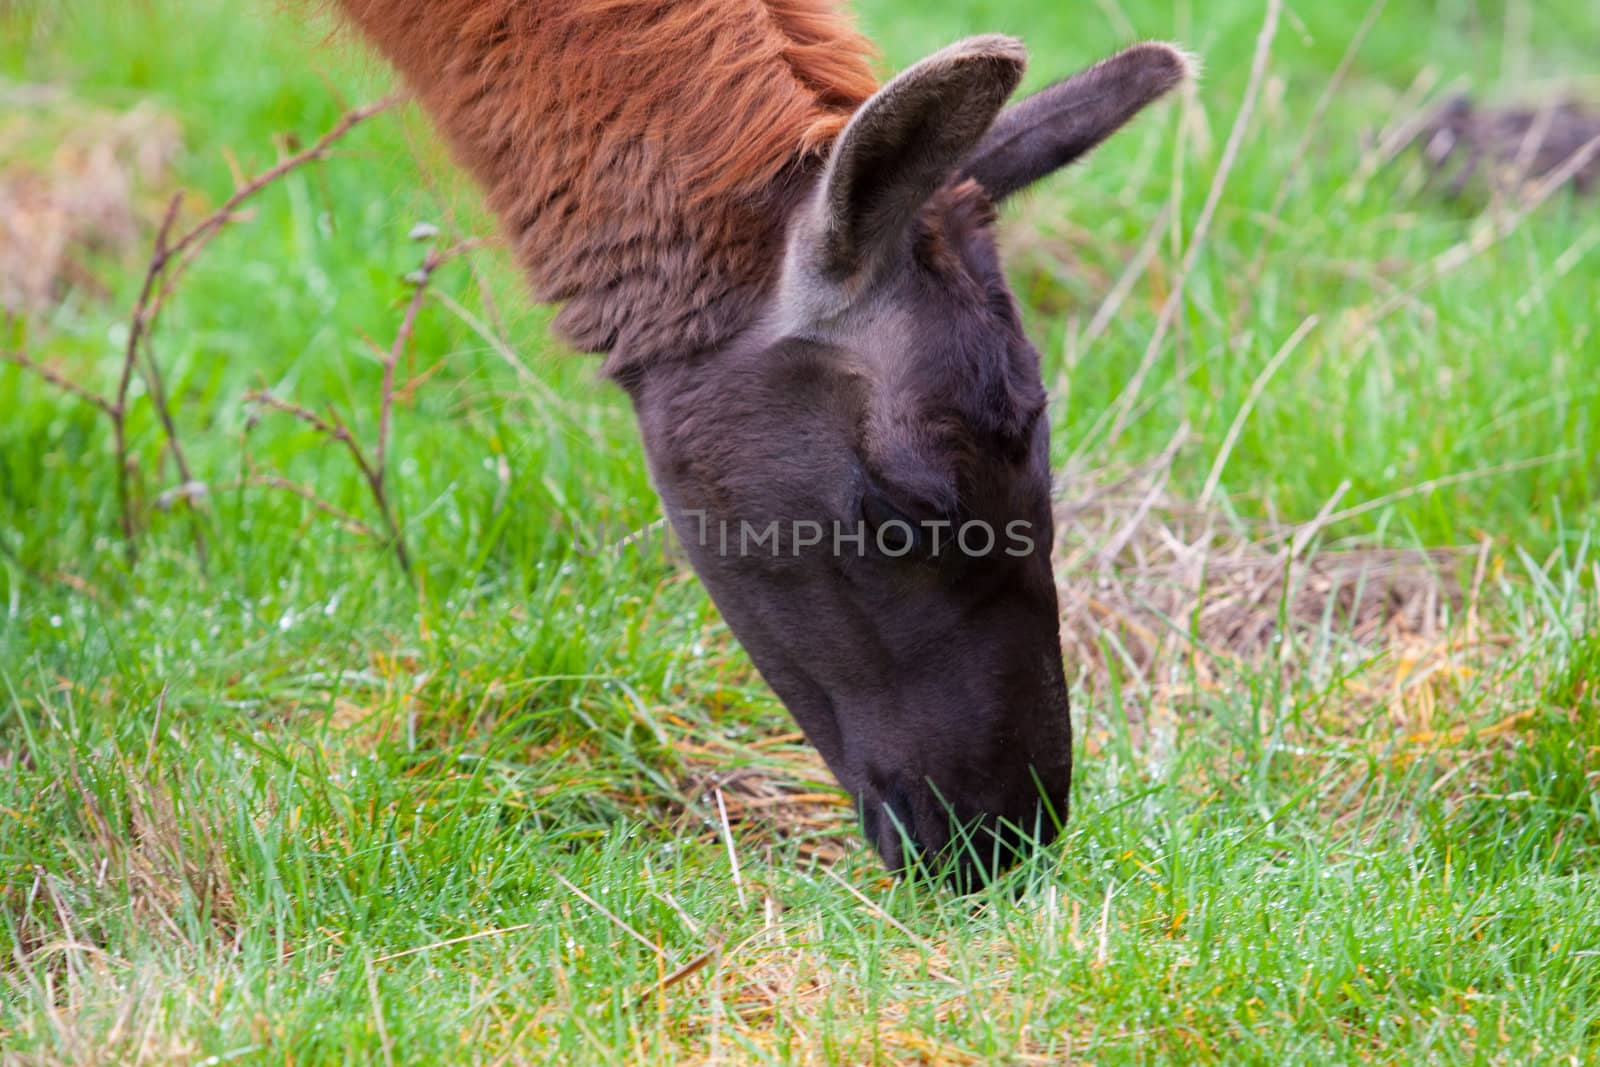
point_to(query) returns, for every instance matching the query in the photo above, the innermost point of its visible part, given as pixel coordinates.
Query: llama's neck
(638, 153)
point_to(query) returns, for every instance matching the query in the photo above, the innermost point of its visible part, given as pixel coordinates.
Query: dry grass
(1168, 600)
(149, 852)
(151, 928)
(112, 1014)
(89, 196)
(777, 790)
(156, 852)
(1162, 588)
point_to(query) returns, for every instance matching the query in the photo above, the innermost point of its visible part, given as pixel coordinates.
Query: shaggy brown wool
(638, 153)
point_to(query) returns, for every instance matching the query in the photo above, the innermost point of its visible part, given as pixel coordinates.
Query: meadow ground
(1337, 799)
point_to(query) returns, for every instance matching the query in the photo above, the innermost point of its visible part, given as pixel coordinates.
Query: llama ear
(904, 142)
(1056, 125)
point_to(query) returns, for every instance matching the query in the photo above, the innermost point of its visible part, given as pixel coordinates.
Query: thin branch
(374, 467)
(339, 432)
(119, 406)
(273, 481)
(169, 259)
(140, 324)
(694, 966)
(60, 382)
(402, 338)
(186, 248)
(334, 431)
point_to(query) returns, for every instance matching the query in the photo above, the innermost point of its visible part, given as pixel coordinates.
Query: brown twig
(373, 466)
(693, 967)
(179, 255)
(402, 338)
(274, 481)
(139, 323)
(182, 254)
(337, 431)
(186, 248)
(119, 405)
(59, 381)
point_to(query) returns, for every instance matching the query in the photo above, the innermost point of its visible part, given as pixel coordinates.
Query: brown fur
(635, 151)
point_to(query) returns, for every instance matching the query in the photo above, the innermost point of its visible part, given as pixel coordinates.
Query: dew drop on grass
(55, 622)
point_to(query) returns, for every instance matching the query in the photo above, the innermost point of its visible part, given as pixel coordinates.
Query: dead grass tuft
(124, 1016)
(1162, 589)
(778, 793)
(146, 850)
(87, 196)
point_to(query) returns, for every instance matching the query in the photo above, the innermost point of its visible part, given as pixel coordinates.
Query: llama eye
(895, 532)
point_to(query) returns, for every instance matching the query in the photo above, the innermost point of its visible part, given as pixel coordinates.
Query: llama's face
(870, 509)
(863, 481)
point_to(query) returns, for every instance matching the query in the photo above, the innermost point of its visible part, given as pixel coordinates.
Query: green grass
(231, 797)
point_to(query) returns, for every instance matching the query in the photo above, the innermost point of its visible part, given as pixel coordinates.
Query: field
(273, 791)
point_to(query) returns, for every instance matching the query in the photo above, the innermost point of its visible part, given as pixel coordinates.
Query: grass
(296, 808)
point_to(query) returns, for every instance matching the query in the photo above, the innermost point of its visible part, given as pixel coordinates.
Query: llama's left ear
(1063, 121)
(903, 144)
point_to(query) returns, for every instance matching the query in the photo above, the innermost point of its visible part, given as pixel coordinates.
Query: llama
(792, 272)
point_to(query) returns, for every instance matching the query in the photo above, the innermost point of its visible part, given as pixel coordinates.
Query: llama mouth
(919, 834)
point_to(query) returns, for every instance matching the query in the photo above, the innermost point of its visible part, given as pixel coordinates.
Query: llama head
(862, 479)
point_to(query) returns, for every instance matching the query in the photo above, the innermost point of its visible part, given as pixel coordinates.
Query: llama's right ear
(1061, 122)
(902, 144)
